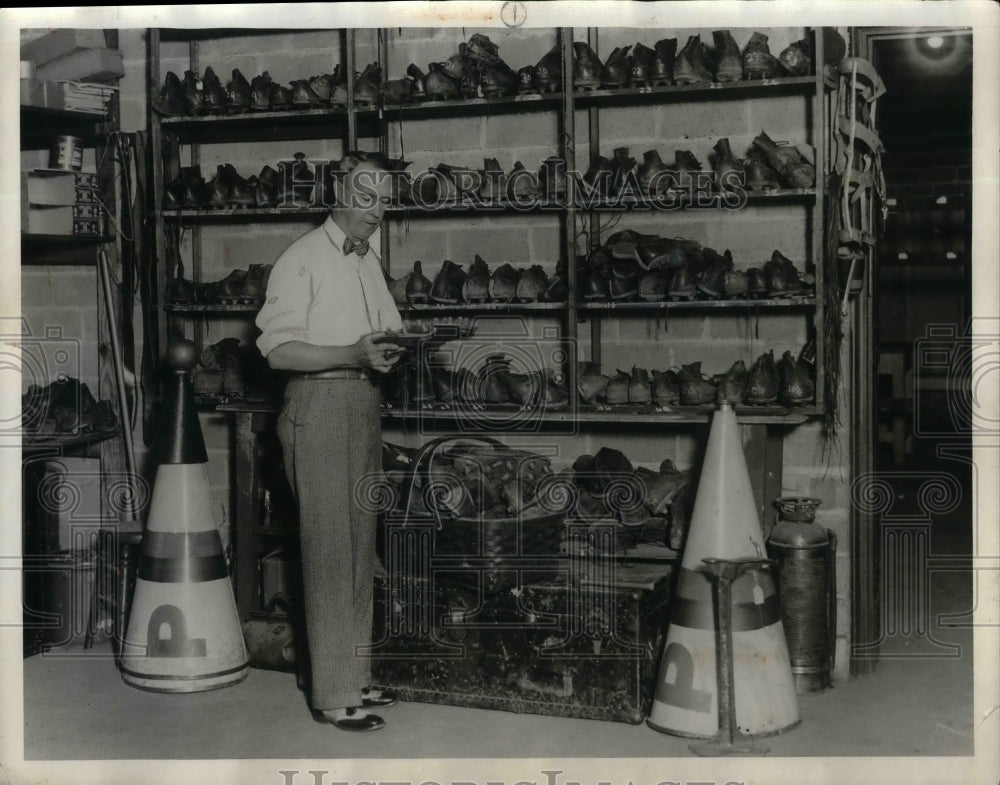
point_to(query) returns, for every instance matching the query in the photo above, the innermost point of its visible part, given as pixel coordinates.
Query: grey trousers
(331, 436)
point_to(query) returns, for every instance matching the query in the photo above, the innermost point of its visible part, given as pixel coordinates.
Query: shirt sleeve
(285, 314)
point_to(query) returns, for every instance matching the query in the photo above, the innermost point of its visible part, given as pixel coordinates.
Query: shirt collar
(337, 237)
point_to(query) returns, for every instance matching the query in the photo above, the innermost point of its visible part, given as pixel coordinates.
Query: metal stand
(728, 741)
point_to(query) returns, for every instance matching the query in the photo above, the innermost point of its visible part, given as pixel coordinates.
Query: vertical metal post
(352, 120)
(567, 153)
(159, 257)
(820, 131)
(200, 325)
(594, 219)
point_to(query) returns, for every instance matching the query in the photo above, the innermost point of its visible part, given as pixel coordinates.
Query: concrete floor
(79, 708)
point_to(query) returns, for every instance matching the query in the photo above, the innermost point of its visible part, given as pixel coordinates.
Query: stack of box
(59, 69)
(55, 202)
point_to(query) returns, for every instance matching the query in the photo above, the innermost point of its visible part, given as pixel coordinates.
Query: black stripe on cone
(693, 607)
(182, 557)
(180, 437)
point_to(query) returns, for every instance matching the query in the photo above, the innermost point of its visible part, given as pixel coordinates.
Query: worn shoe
(687, 173)
(548, 72)
(639, 390)
(624, 284)
(524, 388)
(654, 253)
(213, 94)
(531, 284)
(797, 386)
(493, 378)
(624, 179)
(590, 382)
(795, 170)
(398, 91)
(522, 184)
(193, 103)
(266, 192)
(372, 698)
(552, 179)
(653, 173)
(756, 282)
(587, 67)
(759, 174)
(503, 284)
(653, 285)
(691, 65)
(663, 62)
(354, 719)
(240, 191)
(397, 288)
(683, 286)
(661, 488)
(733, 385)
(696, 389)
(783, 278)
(596, 285)
(218, 188)
(303, 95)
(476, 287)
(281, 97)
(447, 288)
(557, 288)
(616, 392)
(758, 62)
(728, 64)
(170, 100)
(439, 85)
(712, 280)
(324, 84)
(617, 68)
(527, 81)
(418, 287)
(260, 92)
(554, 390)
(666, 388)
(237, 93)
(642, 66)
(196, 191)
(418, 85)
(498, 80)
(368, 85)
(796, 58)
(730, 175)
(735, 284)
(764, 382)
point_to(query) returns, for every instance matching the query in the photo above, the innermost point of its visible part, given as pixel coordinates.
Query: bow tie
(360, 247)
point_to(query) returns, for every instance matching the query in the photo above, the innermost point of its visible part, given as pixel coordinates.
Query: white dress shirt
(317, 295)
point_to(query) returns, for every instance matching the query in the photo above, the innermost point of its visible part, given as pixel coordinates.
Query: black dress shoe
(352, 722)
(378, 699)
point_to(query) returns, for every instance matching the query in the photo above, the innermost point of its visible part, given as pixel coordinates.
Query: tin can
(67, 154)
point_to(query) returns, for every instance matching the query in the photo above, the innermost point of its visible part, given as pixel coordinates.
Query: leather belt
(338, 373)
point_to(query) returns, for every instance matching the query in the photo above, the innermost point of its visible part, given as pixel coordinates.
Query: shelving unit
(371, 123)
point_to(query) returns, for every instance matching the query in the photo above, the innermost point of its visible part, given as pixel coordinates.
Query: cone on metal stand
(724, 526)
(184, 632)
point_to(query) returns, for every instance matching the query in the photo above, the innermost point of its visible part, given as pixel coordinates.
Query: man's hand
(377, 356)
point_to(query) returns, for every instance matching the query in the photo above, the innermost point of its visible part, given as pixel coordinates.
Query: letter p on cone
(724, 525)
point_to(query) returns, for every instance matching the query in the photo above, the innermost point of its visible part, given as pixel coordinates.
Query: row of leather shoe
(446, 183)
(493, 384)
(201, 95)
(791, 382)
(767, 166)
(229, 369)
(65, 407)
(631, 266)
(239, 286)
(453, 285)
(228, 189)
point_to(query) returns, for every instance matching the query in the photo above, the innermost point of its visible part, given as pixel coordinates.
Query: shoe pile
(449, 185)
(228, 189)
(476, 71)
(453, 285)
(228, 369)
(64, 407)
(205, 95)
(634, 266)
(240, 287)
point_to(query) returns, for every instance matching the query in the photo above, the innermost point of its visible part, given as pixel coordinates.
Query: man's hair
(350, 162)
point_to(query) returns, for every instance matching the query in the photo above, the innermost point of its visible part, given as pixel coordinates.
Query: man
(325, 309)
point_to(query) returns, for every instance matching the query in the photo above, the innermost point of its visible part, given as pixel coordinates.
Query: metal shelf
(465, 107)
(39, 124)
(479, 308)
(224, 215)
(218, 308)
(61, 249)
(803, 303)
(292, 124)
(630, 96)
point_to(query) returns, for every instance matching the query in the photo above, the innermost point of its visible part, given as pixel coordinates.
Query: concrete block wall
(751, 233)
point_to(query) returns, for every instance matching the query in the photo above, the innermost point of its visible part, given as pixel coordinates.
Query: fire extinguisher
(807, 588)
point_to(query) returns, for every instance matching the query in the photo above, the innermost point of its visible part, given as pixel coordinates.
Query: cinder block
(782, 119)
(636, 128)
(842, 662)
(71, 288)
(680, 124)
(493, 241)
(504, 131)
(462, 133)
(833, 488)
(36, 288)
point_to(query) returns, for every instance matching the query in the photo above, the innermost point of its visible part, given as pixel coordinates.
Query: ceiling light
(935, 42)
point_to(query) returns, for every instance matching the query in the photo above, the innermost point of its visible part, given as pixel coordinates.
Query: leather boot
(758, 62)
(233, 286)
(733, 385)
(795, 170)
(530, 285)
(303, 95)
(257, 278)
(616, 393)
(558, 287)
(712, 280)
(196, 191)
(764, 381)
(759, 174)
(522, 184)
(596, 286)
(599, 175)
(663, 62)
(587, 67)
(444, 382)
(729, 173)
(653, 285)
(756, 283)
(213, 94)
(281, 97)
(783, 279)
(266, 194)
(498, 80)
(218, 188)
(193, 103)
(397, 288)
(548, 72)
(503, 284)
(797, 386)
(440, 86)
(683, 285)
(238, 93)
(617, 68)
(696, 389)
(666, 388)
(653, 254)
(525, 388)
(735, 284)
(260, 92)
(624, 166)
(480, 47)
(368, 84)
(418, 288)
(590, 383)
(552, 179)
(728, 64)
(691, 65)
(493, 380)
(624, 283)
(476, 288)
(688, 173)
(639, 390)
(447, 288)
(527, 80)
(170, 101)
(796, 58)
(398, 91)
(652, 177)
(240, 192)
(642, 66)
(554, 390)
(418, 88)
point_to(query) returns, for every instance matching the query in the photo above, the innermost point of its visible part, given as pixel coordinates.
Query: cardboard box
(87, 65)
(50, 220)
(51, 188)
(59, 43)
